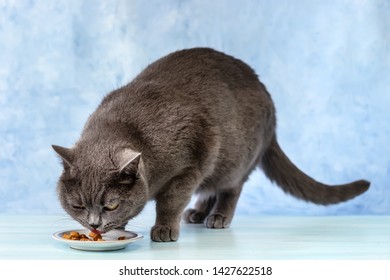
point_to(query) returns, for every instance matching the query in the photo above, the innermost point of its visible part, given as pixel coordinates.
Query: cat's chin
(111, 228)
(107, 228)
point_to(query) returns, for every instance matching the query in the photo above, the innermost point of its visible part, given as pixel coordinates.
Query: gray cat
(194, 122)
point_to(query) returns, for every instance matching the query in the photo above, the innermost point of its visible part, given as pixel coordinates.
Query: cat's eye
(78, 207)
(111, 207)
(126, 181)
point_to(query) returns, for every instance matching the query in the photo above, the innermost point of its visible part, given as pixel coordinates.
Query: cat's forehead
(88, 175)
(92, 175)
(93, 167)
(87, 184)
(92, 160)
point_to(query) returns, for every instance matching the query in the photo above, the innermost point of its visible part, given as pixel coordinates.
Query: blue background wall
(326, 64)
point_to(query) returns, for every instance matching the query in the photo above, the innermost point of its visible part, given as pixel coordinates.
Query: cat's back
(199, 66)
(197, 73)
(192, 81)
(189, 88)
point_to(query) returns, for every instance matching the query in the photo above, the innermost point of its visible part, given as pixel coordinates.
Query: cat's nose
(94, 226)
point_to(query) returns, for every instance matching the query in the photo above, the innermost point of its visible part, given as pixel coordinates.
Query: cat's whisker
(137, 226)
(64, 222)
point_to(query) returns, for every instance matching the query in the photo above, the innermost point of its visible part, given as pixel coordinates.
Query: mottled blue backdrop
(326, 64)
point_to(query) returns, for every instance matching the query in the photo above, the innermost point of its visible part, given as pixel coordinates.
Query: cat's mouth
(92, 229)
(96, 231)
(107, 228)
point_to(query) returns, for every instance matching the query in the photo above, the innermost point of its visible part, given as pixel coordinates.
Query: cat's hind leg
(223, 211)
(201, 210)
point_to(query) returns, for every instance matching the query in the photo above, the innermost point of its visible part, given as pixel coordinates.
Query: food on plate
(93, 236)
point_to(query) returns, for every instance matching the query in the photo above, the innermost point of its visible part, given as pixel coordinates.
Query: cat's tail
(285, 174)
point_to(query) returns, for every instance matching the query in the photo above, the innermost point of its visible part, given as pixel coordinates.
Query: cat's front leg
(170, 203)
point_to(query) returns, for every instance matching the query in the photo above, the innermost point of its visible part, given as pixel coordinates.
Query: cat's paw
(191, 216)
(163, 233)
(217, 221)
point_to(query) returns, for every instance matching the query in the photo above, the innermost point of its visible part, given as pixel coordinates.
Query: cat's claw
(163, 233)
(216, 221)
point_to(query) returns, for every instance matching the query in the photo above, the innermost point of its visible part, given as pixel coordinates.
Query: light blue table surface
(261, 237)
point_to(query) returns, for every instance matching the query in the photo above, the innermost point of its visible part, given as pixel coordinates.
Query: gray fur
(195, 121)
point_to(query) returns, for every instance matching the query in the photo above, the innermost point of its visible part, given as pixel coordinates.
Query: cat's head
(103, 189)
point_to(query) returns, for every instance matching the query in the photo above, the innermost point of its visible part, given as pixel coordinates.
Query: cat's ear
(128, 159)
(65, 153)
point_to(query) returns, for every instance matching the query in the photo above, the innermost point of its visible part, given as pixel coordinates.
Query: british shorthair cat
(194, 122)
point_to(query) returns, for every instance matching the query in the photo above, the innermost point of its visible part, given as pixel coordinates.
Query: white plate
(111, 242)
